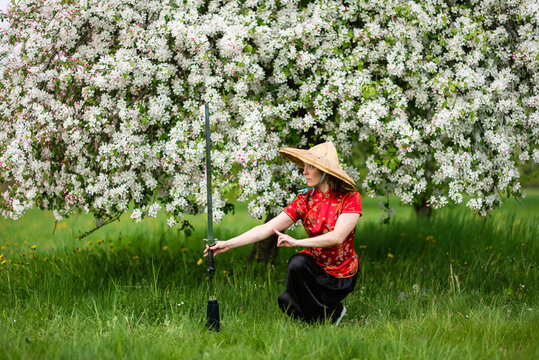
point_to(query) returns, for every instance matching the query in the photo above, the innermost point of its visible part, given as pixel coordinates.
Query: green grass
(434, 288)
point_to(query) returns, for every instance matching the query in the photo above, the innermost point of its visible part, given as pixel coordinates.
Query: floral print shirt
(318, 213)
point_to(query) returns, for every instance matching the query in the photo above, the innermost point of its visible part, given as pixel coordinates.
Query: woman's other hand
(285, 240)
(218, 247)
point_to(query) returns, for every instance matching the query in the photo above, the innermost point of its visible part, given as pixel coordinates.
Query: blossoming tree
(100, 101)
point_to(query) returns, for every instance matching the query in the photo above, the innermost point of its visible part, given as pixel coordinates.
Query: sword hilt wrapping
(211, 269)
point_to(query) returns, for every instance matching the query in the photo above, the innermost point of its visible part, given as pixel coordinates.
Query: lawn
(451, 286)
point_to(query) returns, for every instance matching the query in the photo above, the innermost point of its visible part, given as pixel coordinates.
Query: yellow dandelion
(135, 257)
(8, 244)
(3, 262)
(25, 242)
(199, 262)
(523, 244)
(362, 246)
(34, 247)
(225, 272)
(111, 250)
(429, 238)
(390, 255)
(90, 242)
(46, 259)
(465, 263)
(100, 241)
(3, 247)
(165, 248)
(78, 250)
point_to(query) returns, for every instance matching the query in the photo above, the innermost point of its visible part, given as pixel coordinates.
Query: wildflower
(184, 250)
(90, 242)
(46, 259)
(99, 241)
(225, 272)
(3, 247)
(362, 246)
(523, 244)
(135, 257)
(390, 255)
(165, 248)
(3, 262)
(199, 262)
(34, 247)
(429, 238)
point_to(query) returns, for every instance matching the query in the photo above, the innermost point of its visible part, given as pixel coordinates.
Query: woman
(323, 273)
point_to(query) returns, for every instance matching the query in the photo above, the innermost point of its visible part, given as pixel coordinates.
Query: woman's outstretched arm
(344, 225)
(260, 232)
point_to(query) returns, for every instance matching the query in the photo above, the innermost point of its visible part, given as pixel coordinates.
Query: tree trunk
(266, 250)
(422, 210)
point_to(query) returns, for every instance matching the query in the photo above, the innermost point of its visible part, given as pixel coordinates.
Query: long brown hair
(337, 185)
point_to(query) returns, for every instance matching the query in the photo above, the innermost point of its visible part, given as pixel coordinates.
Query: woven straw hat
(323, 157)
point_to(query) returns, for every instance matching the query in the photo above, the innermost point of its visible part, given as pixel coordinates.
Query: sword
(212, 315)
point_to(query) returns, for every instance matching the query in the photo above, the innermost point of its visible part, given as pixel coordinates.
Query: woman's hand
(218, 247)
(285, 240)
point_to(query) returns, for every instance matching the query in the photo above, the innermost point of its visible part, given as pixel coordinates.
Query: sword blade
(208, 174)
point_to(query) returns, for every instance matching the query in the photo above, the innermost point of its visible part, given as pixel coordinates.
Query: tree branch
(112, 219)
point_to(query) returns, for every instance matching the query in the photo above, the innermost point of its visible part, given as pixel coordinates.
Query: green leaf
(286, 71)
(366, 92)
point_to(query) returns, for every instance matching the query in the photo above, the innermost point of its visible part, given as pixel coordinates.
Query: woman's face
(312, 175)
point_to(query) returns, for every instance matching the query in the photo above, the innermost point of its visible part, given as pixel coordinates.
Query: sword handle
(211, 269)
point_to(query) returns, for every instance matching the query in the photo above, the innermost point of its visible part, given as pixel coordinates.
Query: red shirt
(318, 213)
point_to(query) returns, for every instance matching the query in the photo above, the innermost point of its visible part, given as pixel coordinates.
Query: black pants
(312, 294)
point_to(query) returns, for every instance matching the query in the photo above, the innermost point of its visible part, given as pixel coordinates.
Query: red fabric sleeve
(352, 203)
(295, 208)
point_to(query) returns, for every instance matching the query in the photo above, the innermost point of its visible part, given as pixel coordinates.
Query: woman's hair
(336, 185)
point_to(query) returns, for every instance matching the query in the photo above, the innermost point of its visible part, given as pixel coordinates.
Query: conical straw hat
(322, 156)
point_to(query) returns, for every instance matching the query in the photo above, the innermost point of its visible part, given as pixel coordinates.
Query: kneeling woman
(323, 273)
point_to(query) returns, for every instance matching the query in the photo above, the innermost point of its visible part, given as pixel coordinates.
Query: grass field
(438, 288)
